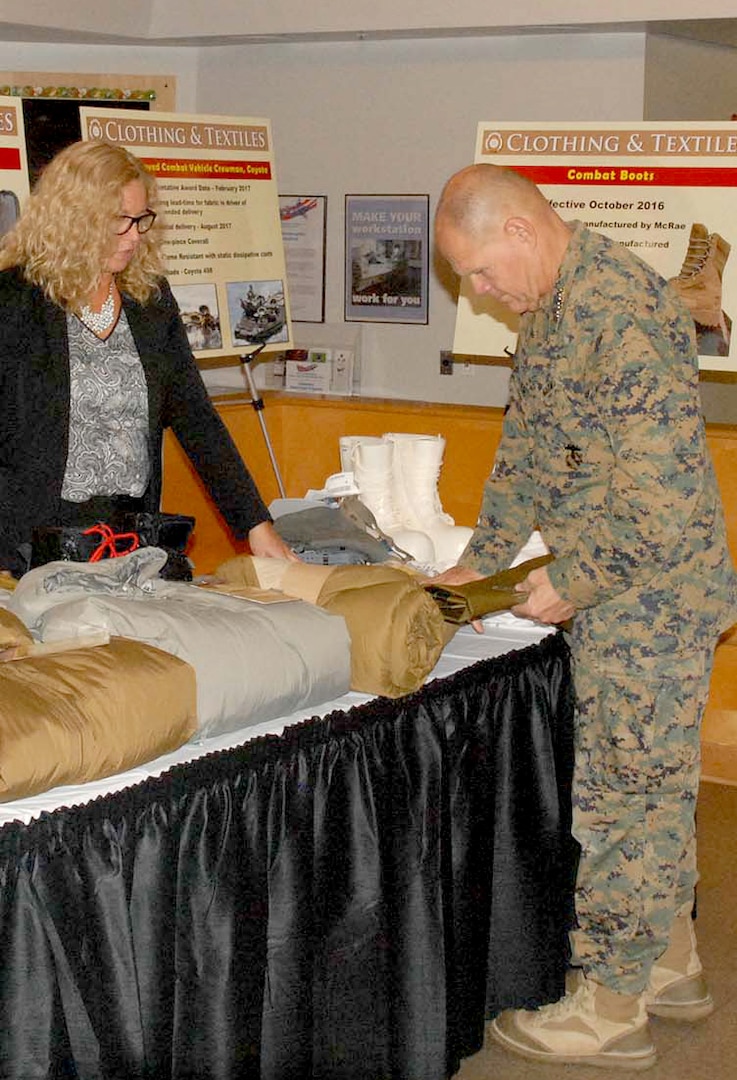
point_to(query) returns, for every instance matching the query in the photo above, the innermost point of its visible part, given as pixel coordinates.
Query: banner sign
(386, 258)
(219, 206)
(13, 163)
(666, 190)
(303, 230)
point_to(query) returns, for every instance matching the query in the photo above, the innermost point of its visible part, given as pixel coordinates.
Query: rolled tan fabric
(7, 581)
(252, 572)
(464, 603)
(13, 632)
(396, 629)
(15, 638)
(84, 713)
(305, 580)
(300, 580)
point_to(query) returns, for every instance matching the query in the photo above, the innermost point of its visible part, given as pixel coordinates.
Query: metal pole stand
(258, 404)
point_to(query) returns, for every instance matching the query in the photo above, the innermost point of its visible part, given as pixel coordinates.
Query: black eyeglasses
(143, 222)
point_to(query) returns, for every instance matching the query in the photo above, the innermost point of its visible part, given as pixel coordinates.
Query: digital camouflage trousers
(634, 799)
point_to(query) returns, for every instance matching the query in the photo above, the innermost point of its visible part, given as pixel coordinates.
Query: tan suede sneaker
(677, 989)
(591, 1026)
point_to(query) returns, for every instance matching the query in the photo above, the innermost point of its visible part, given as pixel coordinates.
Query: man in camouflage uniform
(604, 451)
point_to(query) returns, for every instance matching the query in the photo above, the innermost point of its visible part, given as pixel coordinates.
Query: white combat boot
(348, 443)
(677, 989)
(417, 462)
(370, 459)
(591, 1025)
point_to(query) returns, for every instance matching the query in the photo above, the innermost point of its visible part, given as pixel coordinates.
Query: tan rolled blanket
(396, 629)
(13, 632)
(464, 603)
(88, 713)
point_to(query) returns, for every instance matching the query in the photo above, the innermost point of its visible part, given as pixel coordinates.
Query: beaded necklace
(100, 321)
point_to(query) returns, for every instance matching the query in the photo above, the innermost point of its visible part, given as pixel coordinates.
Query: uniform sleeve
(204, 437)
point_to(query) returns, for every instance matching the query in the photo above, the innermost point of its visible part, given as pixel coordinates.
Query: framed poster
(221, 236)
(386, 258)
(51, 102)
(303, 227)
(13, 163)
(666, 189)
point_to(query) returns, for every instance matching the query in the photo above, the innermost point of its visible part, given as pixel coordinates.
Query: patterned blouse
(108, 417)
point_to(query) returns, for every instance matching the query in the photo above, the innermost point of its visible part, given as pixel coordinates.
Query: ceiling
(714, 31)
(721, 32)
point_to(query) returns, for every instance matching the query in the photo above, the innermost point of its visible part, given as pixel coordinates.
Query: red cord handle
(108, 546)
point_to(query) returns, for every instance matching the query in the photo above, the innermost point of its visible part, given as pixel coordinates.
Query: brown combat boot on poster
(699, 283)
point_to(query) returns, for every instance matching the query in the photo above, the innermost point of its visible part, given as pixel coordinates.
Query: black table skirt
(348, 901)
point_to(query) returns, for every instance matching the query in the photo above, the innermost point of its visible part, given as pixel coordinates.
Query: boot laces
(696, 256)
(572, 1004)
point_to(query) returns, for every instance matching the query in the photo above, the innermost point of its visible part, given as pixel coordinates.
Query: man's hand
(541, 601)
(265, 542)
(459, 575)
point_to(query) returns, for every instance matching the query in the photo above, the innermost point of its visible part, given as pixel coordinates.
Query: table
(346, 901)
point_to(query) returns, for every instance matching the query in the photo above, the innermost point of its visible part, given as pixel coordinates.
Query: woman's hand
(265, 542)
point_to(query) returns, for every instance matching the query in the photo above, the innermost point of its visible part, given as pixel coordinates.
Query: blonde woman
(95, 363)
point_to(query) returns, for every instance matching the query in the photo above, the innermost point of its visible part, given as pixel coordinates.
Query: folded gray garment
(43, 587)
(327, 528)
(463, 603)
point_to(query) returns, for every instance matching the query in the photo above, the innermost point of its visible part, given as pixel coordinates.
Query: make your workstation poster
(667, 190)
(219, 208)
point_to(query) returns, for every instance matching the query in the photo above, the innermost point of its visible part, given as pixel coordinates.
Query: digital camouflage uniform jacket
(604, 450)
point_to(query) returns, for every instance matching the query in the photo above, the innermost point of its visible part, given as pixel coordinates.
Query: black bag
(124, 532)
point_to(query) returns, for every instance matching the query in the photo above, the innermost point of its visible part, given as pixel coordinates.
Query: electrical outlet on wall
(446, 362)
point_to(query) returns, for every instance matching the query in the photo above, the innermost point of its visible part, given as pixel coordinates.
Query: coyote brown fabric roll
(89, 713)
(396, 635)
(463, 603)
(13, 632)
(396, 629)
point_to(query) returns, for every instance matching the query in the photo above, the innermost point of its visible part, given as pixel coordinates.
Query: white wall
(399, 117)
(691, 80)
